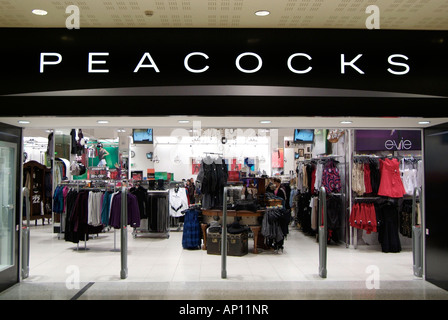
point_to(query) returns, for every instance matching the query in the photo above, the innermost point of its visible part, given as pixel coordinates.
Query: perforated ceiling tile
(395, 14)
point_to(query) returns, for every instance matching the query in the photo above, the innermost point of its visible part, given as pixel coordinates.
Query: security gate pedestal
(322, 233)
(417, 244)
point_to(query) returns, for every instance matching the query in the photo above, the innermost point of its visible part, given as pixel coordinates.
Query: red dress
(390, 183)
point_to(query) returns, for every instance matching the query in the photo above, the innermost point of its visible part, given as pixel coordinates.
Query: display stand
(162, 217)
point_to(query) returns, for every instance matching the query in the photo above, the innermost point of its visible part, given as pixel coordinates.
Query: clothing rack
(390, 156)
(322, 158)
(86, 185)
(162, 221)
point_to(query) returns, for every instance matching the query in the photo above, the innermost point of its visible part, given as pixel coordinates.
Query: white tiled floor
(161, 268)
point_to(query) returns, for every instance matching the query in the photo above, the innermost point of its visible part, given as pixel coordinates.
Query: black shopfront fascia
(386, 73)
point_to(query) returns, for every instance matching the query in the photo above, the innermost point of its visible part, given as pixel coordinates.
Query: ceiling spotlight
(424, 122)
(23, 121)
(102, 121)
(262, 13)
(346, 122)
(265, 121)
(39, 12)
(184, 121)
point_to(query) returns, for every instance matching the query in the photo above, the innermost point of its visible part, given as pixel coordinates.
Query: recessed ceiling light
(39, 12)
(102, 121)
(424, 122)
(265, 121)
(184, 121)
(346, 122)
(23, 121)
(262, 13)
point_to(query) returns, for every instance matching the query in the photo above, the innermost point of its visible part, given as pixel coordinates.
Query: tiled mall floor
(160, 268)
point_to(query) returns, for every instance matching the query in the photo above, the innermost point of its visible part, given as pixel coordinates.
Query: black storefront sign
(223, 72)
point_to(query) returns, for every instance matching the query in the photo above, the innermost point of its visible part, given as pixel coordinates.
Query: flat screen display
(142, 136)
(303, 135)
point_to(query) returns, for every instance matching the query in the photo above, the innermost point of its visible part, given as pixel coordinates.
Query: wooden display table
(233, 213)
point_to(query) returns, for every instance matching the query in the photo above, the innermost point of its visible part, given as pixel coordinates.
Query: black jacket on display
(213, 177)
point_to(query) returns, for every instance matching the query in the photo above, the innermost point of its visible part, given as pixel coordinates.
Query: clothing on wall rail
(381, 215)
(386, 176)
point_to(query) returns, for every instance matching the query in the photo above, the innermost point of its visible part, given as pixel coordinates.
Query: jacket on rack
(275, 223)
(213, 177)
(191, 236)
(178, 201)
(133, 211)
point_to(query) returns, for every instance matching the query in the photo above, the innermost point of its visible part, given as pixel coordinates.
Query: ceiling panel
(221, 122)
(394, 14)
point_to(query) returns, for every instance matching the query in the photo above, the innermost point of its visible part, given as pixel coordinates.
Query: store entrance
(156, 164)
(10, 146)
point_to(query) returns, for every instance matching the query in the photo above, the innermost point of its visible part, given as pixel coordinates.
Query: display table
(233, 213)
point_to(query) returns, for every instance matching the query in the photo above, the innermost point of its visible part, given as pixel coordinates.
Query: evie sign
(387, 140)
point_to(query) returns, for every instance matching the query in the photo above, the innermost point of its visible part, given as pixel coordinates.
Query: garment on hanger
(406, 219)
(105, 208)
(363, 216)
(91, 152)
(191, 236)
(358, 183)
(141, 194)
(178, 201)
(391, 184)
(157, 211)
(388, 226)
(94, 208)
(409, 178)
(274, 226)
(133, 211)
(331, 179)
(367, 179)
(213, 175)
(334, 213)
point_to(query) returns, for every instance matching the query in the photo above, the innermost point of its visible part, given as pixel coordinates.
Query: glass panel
(7, 203)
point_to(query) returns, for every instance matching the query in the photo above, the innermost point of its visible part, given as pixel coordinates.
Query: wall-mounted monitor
(142, 136)
(303, 135)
